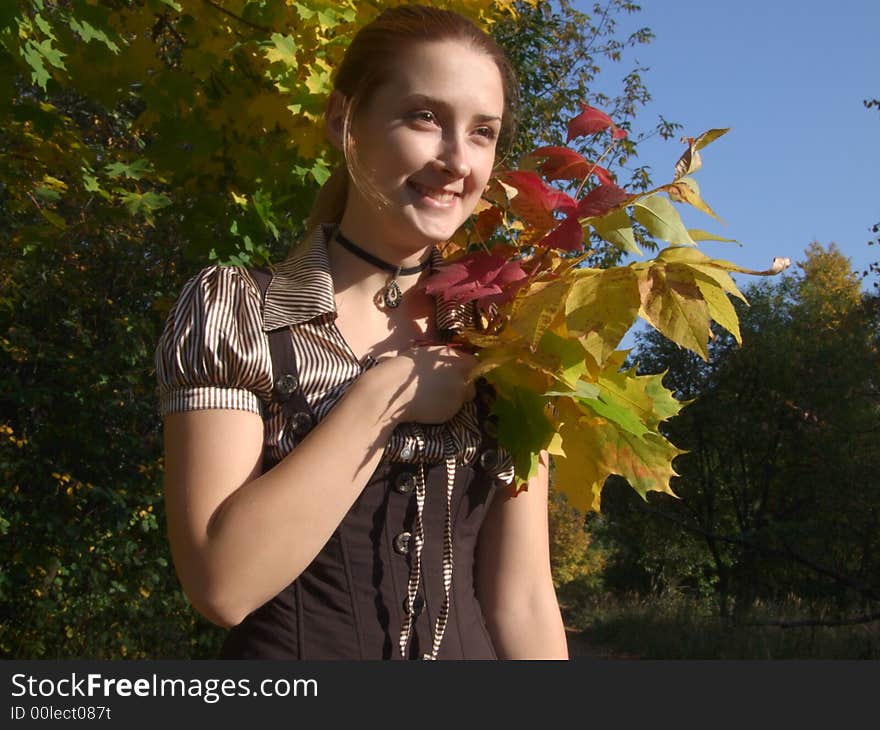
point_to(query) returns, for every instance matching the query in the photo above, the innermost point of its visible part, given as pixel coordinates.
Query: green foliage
(779, 493)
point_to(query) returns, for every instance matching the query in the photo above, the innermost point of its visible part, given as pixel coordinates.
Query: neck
(354, 272)
(376, 235)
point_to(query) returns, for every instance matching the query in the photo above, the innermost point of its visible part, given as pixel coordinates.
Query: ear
(334, 118)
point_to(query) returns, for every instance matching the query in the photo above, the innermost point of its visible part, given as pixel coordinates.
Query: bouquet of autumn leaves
(548, 326)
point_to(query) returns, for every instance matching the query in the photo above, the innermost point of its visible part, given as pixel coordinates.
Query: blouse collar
(302, 287)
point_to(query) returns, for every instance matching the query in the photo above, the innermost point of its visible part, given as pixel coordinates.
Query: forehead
(451, 71)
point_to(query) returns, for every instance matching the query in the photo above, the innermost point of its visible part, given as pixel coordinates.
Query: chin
(436, 231)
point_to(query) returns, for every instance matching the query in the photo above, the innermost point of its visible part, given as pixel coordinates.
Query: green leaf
(616, 228)
(582, 389)
(570, 354)
(88, 33)
(134, 171)
(523, 429)
(39, 74)
(47, 194)
(615, 412)
(282, 49)
(662, 220)
(44, 26)
(53, 218)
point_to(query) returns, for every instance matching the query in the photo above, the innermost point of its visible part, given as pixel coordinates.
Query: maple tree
(549, 327)
(215, 110)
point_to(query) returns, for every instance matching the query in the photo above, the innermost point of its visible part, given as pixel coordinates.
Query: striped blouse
(214, 353)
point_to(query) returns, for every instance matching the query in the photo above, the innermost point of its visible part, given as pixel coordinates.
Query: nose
(453, 157)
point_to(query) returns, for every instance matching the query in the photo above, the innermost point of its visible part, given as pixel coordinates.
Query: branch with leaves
(548, 327)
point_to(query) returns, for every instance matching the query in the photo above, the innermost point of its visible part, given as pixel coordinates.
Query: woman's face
(426, 139)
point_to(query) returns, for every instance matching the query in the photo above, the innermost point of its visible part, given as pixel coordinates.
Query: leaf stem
(595, 165)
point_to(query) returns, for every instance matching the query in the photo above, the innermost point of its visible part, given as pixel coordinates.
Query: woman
(368, 514)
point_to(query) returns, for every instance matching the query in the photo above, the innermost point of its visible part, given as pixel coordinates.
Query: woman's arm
(238, 537)
(514, 583)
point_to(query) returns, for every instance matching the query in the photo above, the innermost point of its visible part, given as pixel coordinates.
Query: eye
(487, 132)
(423, 115)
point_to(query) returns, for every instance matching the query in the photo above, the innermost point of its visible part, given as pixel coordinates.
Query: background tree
(779, 494)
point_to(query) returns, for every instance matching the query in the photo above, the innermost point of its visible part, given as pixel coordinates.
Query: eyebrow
(431, 101)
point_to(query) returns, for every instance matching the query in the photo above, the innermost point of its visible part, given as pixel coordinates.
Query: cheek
(481, 169)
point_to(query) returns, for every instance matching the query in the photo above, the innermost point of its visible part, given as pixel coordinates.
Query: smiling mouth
(438, 194)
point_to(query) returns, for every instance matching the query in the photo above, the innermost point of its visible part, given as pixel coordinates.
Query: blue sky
(802, 159)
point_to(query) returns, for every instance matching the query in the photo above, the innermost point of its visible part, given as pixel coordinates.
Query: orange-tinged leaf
(487, 222)
(645, 463)
(687, 191)
(699, 262)
(601, 308)
(591, 448)
(690, 161)
(675, 308)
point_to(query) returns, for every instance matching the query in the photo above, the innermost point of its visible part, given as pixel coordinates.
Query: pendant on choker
(392, 295)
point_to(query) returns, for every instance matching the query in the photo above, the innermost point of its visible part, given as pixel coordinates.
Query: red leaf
(567, 236)
(476, 276)
(560, 163)
(535, 200)
(589, 121)
(618, 133)
(604, 176)
(601, 200)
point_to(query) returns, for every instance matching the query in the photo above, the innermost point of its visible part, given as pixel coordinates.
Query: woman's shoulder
(213, 350)
(216, 283)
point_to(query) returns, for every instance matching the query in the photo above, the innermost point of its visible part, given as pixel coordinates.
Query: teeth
(441, 195)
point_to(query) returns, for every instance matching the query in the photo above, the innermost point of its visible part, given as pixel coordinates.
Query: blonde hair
(367, 65)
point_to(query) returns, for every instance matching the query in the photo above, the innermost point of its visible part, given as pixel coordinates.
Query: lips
(437, 194)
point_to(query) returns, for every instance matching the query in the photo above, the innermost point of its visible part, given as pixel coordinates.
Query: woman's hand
(428, 384)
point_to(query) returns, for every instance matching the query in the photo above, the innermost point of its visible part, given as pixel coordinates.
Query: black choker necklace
(391, 294)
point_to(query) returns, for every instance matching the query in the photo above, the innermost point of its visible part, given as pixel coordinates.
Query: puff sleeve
(213, 352)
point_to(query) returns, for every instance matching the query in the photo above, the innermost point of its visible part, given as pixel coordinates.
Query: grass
(680, 627)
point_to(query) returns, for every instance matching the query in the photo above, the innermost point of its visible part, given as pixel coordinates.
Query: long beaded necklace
(391, 293)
